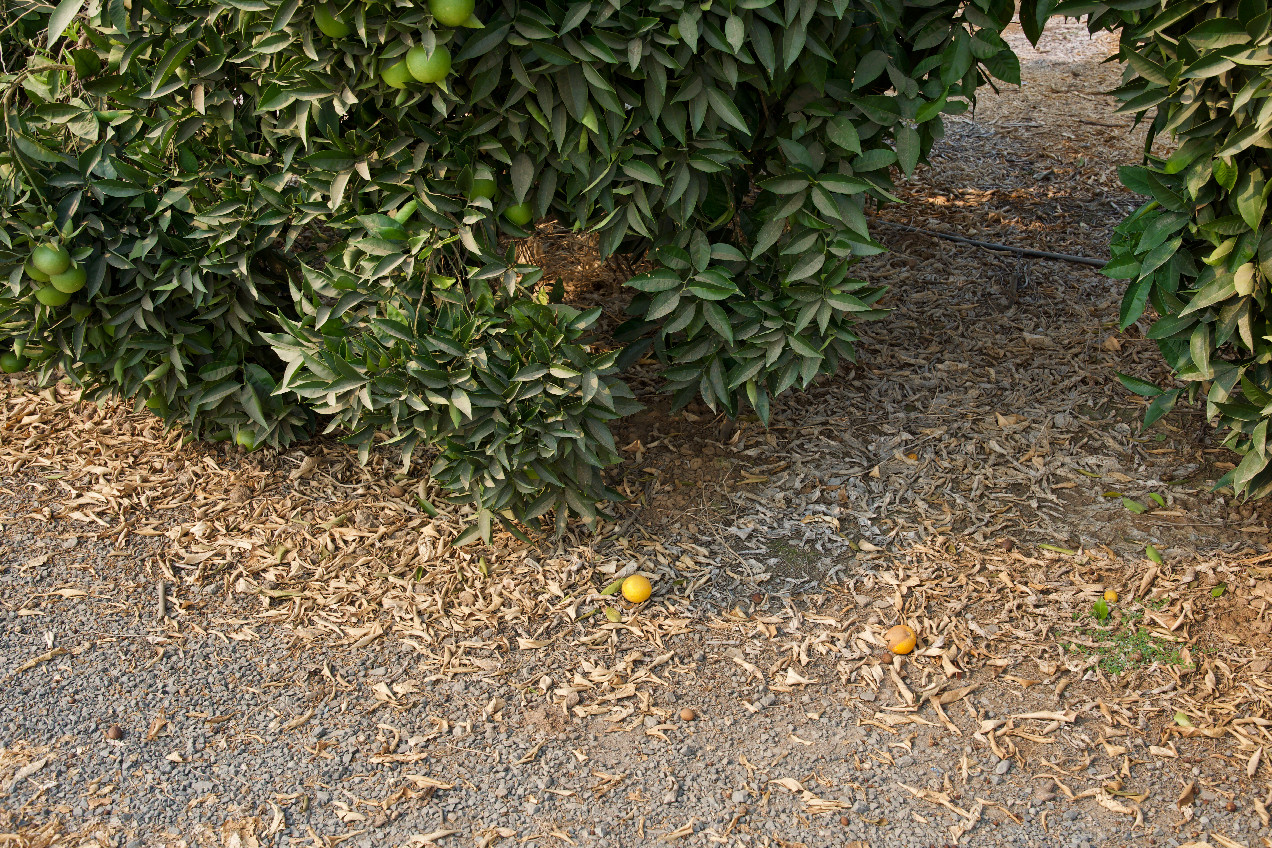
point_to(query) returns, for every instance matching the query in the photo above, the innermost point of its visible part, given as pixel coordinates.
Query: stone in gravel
(114, 732)
(1003, 767)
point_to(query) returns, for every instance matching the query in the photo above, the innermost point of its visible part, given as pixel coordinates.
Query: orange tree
(1198, 253)
(261, 217)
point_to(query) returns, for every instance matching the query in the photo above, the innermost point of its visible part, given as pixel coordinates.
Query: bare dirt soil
(332, 672)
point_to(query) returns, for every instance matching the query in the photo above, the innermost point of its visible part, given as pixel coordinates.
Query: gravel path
(731, 711)
(220, 739)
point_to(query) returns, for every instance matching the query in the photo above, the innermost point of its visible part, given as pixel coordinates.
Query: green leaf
(734, 32)
(1033, 17)
(642, 171)
(61, 18)
(1161, 405)
(1225, 173)
(727, 110)
(907, 140)
(1134, 302)
(1134, 506)
(873, 160)
(1217, 33)
(663, 304)
(719, 320)
(1250, 198)
(843, 133)
(1138, 386)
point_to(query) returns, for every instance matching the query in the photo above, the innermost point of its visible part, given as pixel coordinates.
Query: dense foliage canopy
(263, 219)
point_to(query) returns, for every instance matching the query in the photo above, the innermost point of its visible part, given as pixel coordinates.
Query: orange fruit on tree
(637, 589)
(35, 273)
(71, 280)
(51, 258)
(50, 296)
(428, 67)
(482, 188)
(451, 13)
(396, 75)
(331, 24)
(11, 363)
(520, 214)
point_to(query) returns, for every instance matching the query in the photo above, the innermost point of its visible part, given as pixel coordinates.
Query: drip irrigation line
(1003, 248)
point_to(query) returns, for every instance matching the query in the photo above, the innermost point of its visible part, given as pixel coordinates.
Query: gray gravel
(226, 759)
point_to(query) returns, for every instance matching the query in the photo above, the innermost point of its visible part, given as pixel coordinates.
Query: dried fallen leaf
(25, 772)
(422, 780)
(430, 838)
(298, 721)
(1108, 802)
(679, 833)
(789, 783)
(952, 695)
(1226, 842)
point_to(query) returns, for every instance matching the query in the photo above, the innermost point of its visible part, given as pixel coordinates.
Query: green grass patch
(1126, 645)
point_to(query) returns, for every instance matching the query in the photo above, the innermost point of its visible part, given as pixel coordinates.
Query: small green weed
(1128, 646)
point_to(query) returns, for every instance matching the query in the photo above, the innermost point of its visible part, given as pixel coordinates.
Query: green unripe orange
(11, 363)
(35, 273)
(451, 13)
(396, 75)
(50, 296)
(482, 188)
(245, 439)
(70, 281)
(331, 25)
(521, 214)
(51, 258)
(427, 67)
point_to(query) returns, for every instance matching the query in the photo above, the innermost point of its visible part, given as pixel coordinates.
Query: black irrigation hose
(1006, 248)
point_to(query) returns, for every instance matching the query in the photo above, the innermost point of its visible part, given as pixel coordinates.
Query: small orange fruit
(637, 589)
(901, 639)
(1110, 596)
